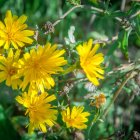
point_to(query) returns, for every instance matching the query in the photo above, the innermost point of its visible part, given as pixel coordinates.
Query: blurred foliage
(121, 43)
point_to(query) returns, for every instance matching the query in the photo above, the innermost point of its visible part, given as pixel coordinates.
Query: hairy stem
(130, 75)
(75, 7)
(89, 8)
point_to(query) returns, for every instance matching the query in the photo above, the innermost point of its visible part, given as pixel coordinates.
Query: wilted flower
(98, 100)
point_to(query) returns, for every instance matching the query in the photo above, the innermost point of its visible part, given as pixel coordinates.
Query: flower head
(99, 100)
(39, 110)
(38, 66)
(13, 31)
(9, 70)
(75, 118)
(90, 61)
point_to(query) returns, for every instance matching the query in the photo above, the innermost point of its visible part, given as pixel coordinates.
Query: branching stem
(89, 8)
(75, 7)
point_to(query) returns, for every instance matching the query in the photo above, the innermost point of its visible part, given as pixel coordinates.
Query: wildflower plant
(75, 117)
(63, 85)
(39, 64)
(90, 62)
(13, 31)
(40, 111)
(9, 69)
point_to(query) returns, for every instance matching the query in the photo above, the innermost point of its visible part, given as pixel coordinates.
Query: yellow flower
(90, 62)
(8, 69)
(13, 31)
(40, 111)
(99, 100)
(75, 118)
(38, 66)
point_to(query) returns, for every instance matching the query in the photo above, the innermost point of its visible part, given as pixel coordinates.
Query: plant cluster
(46, 76)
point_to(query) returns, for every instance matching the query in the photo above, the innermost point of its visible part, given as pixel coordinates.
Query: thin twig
(135, 14)
(72, 80)
(63, 16)
(98, 10)
(83, 7)
(130, 75)
(123, 5)
(118, 19)
(92, 19)
(75, 7)
(125, 68)
(107, 40)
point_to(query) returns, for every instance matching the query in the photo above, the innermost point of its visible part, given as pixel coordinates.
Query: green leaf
(7, 131)
(124, 42)
(137, 26)
(123, 39)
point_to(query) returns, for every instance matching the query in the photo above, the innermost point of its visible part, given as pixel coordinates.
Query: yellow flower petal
(14, 32)
(90, 61)
(22, 19)
(40, 112)
(75, 118)
(9, 69)
(38, 66)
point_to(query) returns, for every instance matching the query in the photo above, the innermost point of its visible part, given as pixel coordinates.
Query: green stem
(72, 80)
(130, 75)
(94, 121)
(71, 68)
(75, 7)
(98, 10)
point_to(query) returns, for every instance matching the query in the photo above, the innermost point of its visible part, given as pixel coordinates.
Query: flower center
(71, 121)
(33, 108)
(87, 62)
(9, 36)
(12, 71)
